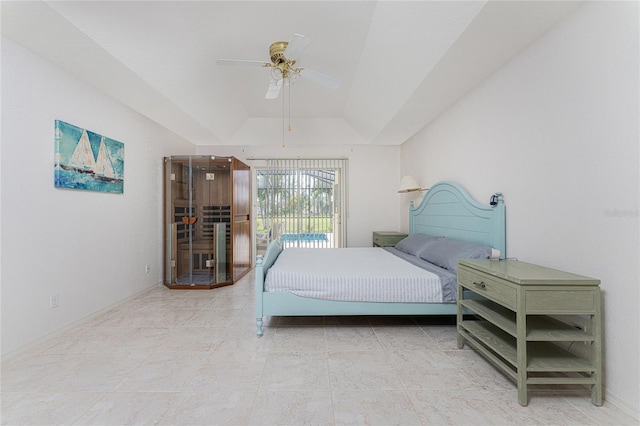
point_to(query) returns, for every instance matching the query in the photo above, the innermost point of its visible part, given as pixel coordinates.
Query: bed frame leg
(259, 327)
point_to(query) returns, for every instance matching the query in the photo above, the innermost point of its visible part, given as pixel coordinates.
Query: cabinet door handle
(481, 284)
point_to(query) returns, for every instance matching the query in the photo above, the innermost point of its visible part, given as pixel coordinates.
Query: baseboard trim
(622, 405)
(25, 348)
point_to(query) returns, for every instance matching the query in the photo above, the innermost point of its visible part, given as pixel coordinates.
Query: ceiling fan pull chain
(283, 118)
(289, 104)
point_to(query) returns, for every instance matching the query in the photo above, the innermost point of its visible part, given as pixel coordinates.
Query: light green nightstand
(387, 238)
(516, 326)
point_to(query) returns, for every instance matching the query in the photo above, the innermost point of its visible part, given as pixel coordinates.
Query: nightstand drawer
(387, 239)
(489, 287)
(559, 301)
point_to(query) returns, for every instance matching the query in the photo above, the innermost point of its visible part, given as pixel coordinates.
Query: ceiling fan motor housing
(276, 51)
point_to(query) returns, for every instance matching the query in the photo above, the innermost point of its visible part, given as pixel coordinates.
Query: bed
(446, 220)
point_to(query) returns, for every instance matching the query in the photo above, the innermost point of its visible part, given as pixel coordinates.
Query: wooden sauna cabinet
(207, 226)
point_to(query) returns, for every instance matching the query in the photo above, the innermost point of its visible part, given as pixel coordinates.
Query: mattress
(364, 274)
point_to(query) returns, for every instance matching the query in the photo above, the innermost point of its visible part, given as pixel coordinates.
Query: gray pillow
(445, 252)
(414, 244)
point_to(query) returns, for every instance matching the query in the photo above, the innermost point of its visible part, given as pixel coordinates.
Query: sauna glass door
(197, 217)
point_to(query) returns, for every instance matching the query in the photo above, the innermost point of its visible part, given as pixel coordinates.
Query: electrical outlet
(54, 301)
(147, 268)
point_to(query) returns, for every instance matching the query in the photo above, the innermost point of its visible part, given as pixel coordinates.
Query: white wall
(90, 248)
(557, 131)
(373, 181)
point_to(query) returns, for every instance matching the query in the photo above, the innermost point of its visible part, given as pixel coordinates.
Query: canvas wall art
(87, 160)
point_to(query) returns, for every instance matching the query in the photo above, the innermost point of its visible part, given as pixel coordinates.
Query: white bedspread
(352, 274)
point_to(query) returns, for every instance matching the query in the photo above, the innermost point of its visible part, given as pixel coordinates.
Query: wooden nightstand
(387, 238)
(518, 307)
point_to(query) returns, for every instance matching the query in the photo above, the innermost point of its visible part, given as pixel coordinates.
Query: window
(302, 202)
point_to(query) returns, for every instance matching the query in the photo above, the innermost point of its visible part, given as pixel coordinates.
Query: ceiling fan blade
(242, 62)
(296, 46)
(274, 89)
(319, 78)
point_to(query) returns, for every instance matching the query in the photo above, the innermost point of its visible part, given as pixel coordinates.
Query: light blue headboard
(448, 210)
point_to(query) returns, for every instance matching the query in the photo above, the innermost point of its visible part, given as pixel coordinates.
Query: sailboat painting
(87, 160)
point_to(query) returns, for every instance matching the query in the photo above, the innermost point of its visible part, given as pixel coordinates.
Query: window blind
(304, 201)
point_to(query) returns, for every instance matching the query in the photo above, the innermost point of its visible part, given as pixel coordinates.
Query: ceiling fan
(283, 58)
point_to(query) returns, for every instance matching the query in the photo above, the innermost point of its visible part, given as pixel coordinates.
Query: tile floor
(192, 358)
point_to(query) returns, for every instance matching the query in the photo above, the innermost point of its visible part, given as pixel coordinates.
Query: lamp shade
(408, 184)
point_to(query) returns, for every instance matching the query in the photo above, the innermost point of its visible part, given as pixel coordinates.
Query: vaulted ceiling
(401, 63)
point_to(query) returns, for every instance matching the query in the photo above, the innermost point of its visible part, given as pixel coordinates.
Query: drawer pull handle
(481, 284)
